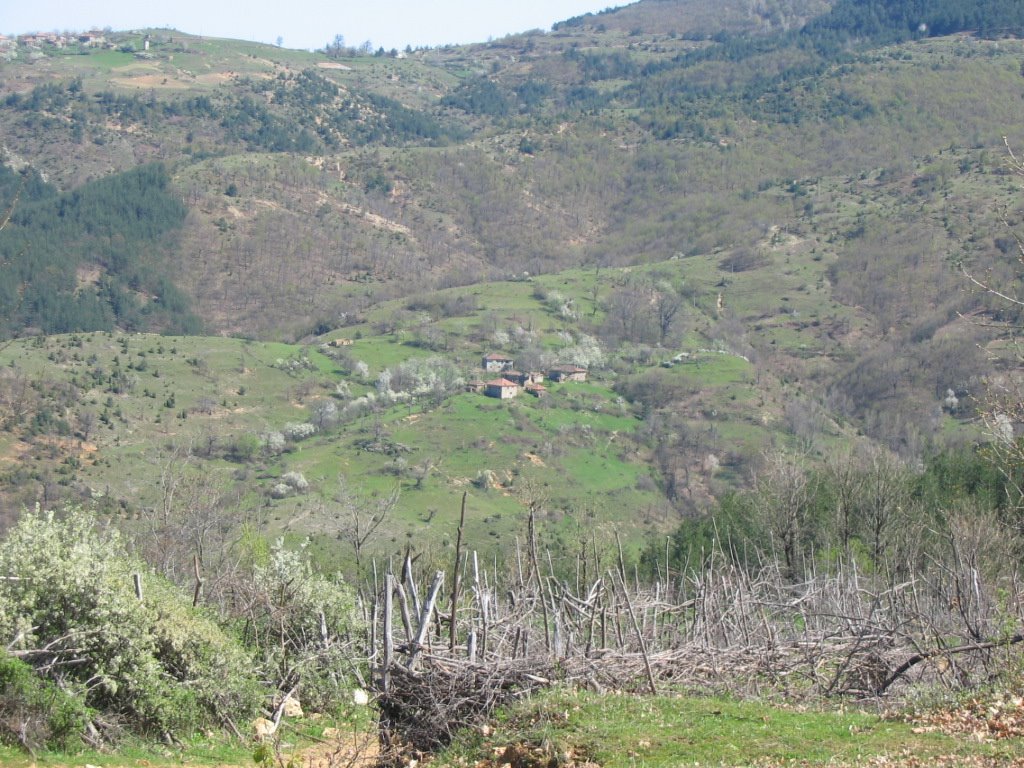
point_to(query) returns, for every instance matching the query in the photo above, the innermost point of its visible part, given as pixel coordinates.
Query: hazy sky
(304, 23)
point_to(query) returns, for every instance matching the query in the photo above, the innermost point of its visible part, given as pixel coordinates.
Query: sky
(305, 23)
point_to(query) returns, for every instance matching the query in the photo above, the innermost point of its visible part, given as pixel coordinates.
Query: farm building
(503, 389)
(497, 362)
(567, 373)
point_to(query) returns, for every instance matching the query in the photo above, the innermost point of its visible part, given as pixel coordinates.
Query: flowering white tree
(296, 480)
(302, 625)
(296, 431)
(586, 352)
(273, 442)
(418, 377)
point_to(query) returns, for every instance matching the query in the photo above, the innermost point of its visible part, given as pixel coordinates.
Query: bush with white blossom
(296, 431)
(295, 480)
(68, 607)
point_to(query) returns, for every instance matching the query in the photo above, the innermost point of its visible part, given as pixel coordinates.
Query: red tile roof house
(503, 389)
(497, 362)
(567, 373)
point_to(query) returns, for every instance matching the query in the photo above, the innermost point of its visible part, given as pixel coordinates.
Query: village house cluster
(34, 44)
(94, 38)
(511, 381)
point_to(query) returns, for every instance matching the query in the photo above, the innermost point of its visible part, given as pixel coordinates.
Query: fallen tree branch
(917, 658)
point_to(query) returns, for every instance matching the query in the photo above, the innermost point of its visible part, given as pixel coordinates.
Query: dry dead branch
(722, 629)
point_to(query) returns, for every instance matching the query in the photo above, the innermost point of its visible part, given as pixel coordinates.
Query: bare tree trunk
(453, 633)
(425, 615)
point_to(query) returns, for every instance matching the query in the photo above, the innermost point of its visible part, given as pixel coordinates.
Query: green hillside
(102, 414)
(755, 214)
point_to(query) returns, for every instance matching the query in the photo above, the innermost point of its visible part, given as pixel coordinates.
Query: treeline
(484, 96)
(91, 259)
(766, 77)
(309, 111)
(52, 106)
(894, 21)
(865, 506)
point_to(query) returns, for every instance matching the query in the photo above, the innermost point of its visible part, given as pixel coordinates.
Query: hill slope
(780, 184)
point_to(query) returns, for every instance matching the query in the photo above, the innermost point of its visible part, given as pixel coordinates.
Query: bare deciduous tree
(196, 525)
(667, 304)
(357, 520)
(785, 502)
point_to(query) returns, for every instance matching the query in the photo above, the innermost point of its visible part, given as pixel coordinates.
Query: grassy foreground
(613, 730)
(587, 730)
(346, 738)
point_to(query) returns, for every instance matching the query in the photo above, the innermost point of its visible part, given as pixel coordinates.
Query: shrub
(303, 625)
(360, 406)
(484, 480)
(68, 608)
(35, 712)
(296, 480)
(243, 448)
(273, 442)
(296, 431)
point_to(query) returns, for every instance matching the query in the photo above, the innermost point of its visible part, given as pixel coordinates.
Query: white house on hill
(497, 362)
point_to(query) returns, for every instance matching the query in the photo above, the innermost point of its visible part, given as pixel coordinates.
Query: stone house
(503, 389)
(523, 378)
(567, 373)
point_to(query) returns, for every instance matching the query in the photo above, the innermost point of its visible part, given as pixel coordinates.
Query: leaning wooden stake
(453, 633)
(403, 603)
(408, 578)
(636, 624)
(389, 644)
(424, 628)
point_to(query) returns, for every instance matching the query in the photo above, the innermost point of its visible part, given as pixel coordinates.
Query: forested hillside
(93, 258)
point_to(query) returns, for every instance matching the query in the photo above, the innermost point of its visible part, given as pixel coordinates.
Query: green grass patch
(623, 730)
(109, 60)
(351, 722)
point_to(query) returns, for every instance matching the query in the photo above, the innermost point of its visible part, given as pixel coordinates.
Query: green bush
(68, 608)
(34, 712)
(303, 626)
